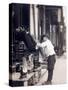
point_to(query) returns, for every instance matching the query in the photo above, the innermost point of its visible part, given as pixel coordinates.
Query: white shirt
(48, 48)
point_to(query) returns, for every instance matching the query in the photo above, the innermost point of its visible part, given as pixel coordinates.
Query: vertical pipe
(34, 20)
(38, 25)
(44, 31)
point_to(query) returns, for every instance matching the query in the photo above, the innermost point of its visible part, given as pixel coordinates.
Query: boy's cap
(46, 35)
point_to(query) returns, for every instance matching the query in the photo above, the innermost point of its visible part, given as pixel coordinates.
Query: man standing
(48, 51)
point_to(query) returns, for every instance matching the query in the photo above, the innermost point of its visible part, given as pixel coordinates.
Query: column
(31, 21)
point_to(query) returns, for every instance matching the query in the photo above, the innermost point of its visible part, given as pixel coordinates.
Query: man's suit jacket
(27, 39)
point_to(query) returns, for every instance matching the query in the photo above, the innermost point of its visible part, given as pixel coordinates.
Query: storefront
(48, 20)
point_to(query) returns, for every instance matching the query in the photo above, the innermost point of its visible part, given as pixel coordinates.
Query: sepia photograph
(37, 44)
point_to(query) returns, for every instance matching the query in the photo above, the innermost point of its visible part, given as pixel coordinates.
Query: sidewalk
(60, 70)
(59, 75)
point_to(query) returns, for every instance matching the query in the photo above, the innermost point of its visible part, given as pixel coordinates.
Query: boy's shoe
(47, 83)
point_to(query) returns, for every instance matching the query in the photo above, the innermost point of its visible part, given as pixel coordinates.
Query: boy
(48, 51)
